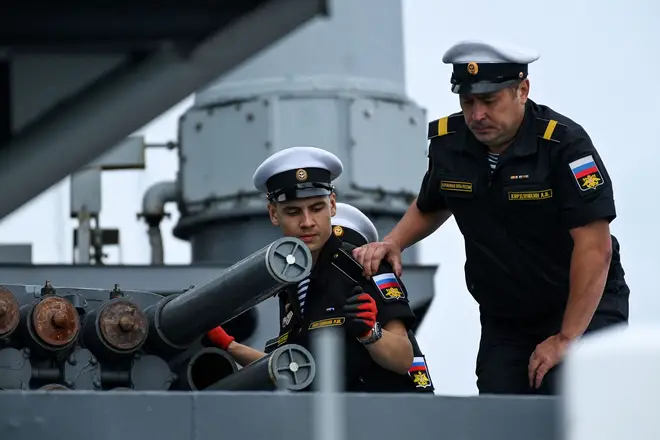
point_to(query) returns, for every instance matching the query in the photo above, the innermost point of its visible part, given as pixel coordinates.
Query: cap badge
(301, 175)
(338, 231)
(473, 68)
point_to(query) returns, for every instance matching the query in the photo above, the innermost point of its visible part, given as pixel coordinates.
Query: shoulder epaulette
(271, 345)
(347, 265)
(550, 130)
(447, 125)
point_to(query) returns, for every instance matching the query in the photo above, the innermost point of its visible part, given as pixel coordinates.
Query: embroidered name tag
(331, 322)
(530, 195)
(456, 185)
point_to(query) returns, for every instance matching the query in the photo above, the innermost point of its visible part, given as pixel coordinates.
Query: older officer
(374, 313)
(355, 229)
(533, 200)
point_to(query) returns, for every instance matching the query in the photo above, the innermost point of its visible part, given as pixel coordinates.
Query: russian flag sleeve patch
(389, 287)
(586, 173)
(419, 373)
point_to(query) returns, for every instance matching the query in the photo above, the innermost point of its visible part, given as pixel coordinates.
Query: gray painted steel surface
(256, 416)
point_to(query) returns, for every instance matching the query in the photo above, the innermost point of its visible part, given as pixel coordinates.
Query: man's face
(308, 219)
(494, 118)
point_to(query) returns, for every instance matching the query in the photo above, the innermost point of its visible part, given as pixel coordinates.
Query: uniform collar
(325, 256)
(525, 142)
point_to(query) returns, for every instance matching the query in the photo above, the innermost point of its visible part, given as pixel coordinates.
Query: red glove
(220, 338)
(360, 311)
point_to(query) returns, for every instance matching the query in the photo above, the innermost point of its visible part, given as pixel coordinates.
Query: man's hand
(360, 311)
(546, 356)
(220, 338)
(370, 255)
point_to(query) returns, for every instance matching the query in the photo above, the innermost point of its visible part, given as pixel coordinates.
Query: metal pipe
(156, 196)
(46, 374)
(179, 320)
(153, 211)
(206, 367)
(155, 237)
(289, 367)
(328, 410)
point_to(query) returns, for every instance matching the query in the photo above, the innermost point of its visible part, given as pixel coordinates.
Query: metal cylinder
(290, 367)
(205, 368)
(52, 323)
(44, 372)
(9, 312)
(117, 328)
(179, 320)
(114, 375)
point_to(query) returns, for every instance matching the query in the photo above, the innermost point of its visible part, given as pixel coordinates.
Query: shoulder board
(447, 125)
(271, 345)
(550, 130)
(347, 265)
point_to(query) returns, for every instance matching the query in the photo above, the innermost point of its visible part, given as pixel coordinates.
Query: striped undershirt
(492, 161)
(302, 293)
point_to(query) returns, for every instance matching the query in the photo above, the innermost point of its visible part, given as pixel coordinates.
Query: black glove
(360, 311)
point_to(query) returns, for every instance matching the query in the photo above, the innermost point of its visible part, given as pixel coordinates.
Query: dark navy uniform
(515, 210)
(515, 220)
(332, 280)
(355, 229)
(331, 296)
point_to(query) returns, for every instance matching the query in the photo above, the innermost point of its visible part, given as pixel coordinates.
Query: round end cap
(289, 260)
(292, 367)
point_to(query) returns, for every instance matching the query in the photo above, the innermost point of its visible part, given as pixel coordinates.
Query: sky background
(599, 66)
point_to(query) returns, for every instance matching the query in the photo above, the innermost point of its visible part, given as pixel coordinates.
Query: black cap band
(301, 191)
(299, 183)
(485, 78)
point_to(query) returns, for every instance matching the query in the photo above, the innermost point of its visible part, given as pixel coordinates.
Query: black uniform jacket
(331, 282)
(516, 221)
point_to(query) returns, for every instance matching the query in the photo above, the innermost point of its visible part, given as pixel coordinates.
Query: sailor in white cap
(351, 225)
(298, 181)
(374, 313)
(534, 201)
(486, 68)
(355, 228)
(296, 173)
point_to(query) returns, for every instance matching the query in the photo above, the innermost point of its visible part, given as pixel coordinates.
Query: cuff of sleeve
(584, 215)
